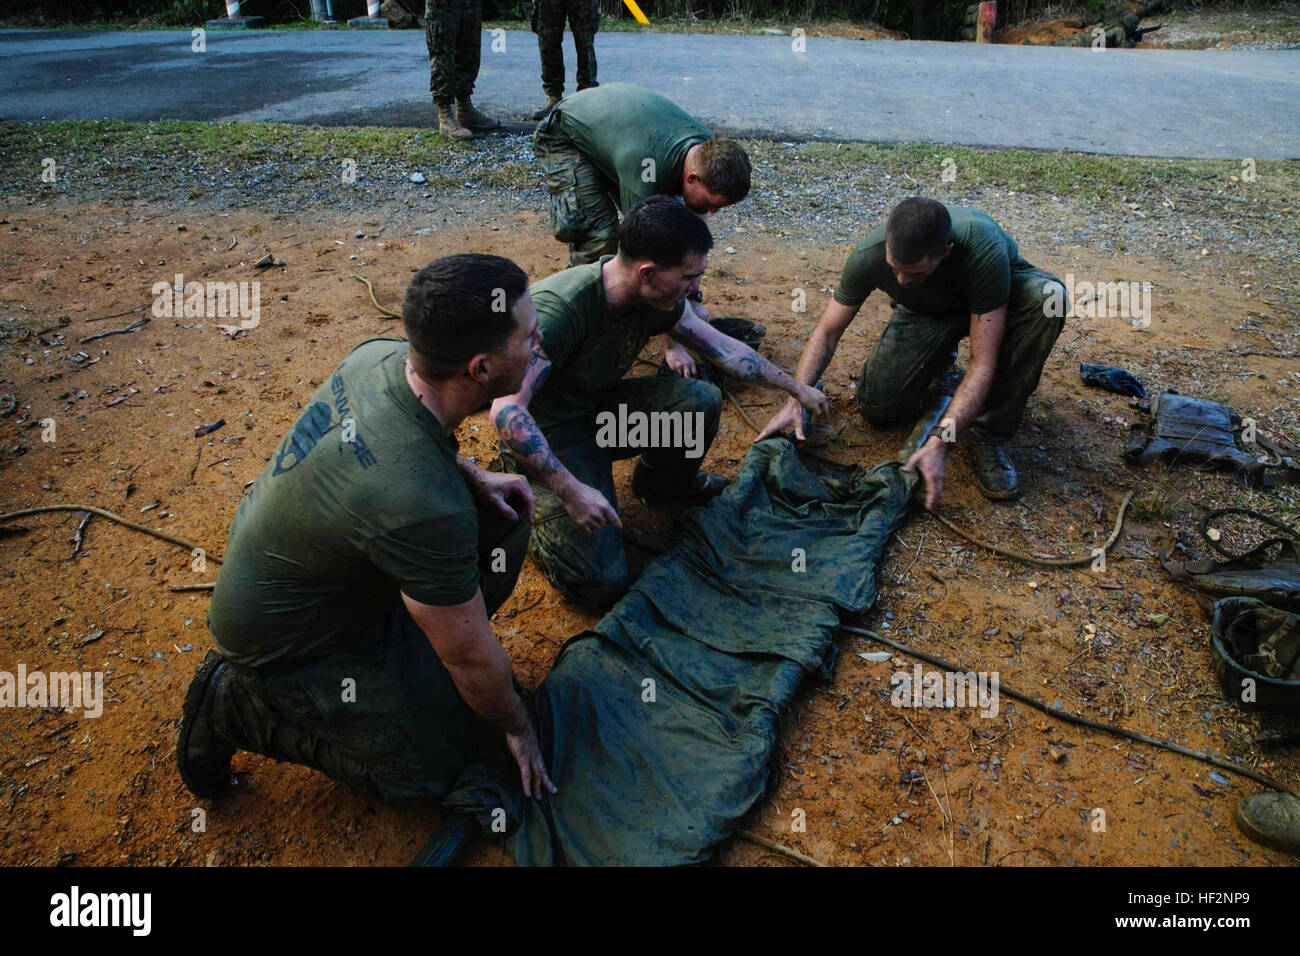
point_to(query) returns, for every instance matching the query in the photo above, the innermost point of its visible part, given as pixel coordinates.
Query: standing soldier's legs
(913, 350)
(1027, 342)
(584, 20)
(441, 20)
(469, 42)
(550, 44)
(441, 26)
(583, 212)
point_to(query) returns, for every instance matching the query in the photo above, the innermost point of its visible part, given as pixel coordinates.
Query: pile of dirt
(1119, 23)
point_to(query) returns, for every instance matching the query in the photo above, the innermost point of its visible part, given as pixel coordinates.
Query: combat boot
(448, 126)
(994, 473)
(471, 117)
(543, 111)
(1272, 819)
(202, 753)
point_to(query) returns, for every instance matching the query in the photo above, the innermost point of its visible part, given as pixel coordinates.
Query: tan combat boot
(448, 126)
(471, 117)
(543, 111)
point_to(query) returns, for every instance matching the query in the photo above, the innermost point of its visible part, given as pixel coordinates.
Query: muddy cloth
(1194, 430)
(658, 725)
(1112, 379)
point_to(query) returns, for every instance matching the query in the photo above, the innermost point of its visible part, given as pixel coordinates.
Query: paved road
(1213, 104)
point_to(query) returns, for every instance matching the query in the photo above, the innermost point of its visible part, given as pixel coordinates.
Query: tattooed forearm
(527, 443)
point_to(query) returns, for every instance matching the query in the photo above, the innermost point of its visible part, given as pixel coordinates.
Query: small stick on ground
(135, 326)
(775, 847)
(371, 290)
(80, 535)
(193, 587)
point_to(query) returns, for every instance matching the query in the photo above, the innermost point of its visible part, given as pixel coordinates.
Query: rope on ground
(1203, 755)
(1204, 528)
(371, 289)
(1044, 562)
(111, 516)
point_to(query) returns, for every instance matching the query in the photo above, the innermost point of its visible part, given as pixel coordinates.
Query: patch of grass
(1110, 180)
(1160, 502)
(122, 147)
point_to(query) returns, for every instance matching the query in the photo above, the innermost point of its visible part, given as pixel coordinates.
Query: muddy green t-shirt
(590, 348)
(360, 500)
(975, 278)
(636, 137)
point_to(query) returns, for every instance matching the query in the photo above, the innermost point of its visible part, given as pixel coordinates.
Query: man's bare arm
(520, 433)
(480, 669)
(816, 356)
(588, 508)
(986, 331)
(739, 360)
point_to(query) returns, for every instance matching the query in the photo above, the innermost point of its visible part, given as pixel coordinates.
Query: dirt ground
(879, 785)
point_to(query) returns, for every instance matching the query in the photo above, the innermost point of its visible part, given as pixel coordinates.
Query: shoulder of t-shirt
(441, 496)
(559, 293)
(974, 229)
(870, 249)
(378, 348)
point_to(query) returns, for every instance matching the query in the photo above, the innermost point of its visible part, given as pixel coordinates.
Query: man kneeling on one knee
(576, 413)
(363, 565)
(950, 271)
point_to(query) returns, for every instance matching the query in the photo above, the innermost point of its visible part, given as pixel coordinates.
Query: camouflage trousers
(584, 212)
(916, 349)
(383, 717)
(548, 24)
(453, 33)
(592, 567)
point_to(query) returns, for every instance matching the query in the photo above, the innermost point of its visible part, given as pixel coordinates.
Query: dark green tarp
(727, 629)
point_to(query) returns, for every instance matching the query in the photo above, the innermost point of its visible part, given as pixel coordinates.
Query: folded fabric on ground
(658, 725)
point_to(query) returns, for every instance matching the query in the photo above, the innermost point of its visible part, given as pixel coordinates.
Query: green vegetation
(1112, 180)
(147, 150)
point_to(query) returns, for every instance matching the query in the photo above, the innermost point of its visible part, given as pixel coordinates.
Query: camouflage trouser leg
(452, 32)
(914, 349)
(584, 21)
(592, 567)
(583, 211)
(383, 717)
(548, 24)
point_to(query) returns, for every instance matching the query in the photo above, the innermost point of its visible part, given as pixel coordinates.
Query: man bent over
(949, 271)
(595, 319)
